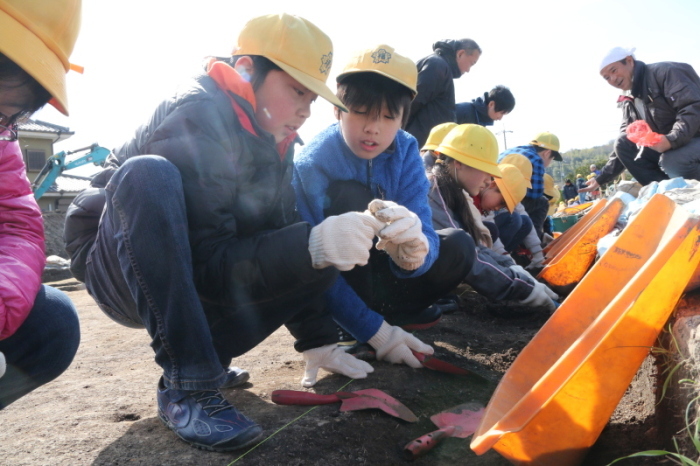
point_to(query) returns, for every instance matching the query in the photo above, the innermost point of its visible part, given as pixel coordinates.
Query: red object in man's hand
(641, 134)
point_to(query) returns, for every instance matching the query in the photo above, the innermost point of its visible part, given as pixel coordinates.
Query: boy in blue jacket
(367, 156)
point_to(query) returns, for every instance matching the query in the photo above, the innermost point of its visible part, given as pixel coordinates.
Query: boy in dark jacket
(367, 156)
(493, 106)
(435, 102)
(201, 243)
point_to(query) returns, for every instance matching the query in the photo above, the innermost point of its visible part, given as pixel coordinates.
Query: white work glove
(541, 296)
(2, 364)
(521, 271)
(394, 344)
(403, 237)
(333, 359)
(343, 241)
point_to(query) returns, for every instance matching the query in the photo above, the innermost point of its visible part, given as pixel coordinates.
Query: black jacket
(570, 191)
(435, 102)
(475, 112)
(245, 233)
(671, 95)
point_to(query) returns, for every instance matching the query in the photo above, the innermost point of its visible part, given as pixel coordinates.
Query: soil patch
(102, 410)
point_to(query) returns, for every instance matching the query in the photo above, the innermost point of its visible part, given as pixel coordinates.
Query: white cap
(616, 54)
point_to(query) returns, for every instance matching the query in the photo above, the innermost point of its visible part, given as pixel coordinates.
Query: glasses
(8, 124)
(7, 133)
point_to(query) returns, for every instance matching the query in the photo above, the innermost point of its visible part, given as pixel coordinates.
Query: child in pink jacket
(39, 331)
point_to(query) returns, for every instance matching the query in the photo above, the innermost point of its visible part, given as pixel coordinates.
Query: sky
(135, 52)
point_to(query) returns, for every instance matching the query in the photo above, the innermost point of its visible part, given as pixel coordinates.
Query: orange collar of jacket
(228, 79)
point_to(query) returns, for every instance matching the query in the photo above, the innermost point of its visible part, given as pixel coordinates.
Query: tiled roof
(38, 126)
(68, 184)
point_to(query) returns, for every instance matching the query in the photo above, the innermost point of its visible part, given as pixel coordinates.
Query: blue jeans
(512, 228)
(42, 348)
(141, 275)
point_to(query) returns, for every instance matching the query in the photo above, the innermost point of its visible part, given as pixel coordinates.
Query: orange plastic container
(694, 281)
(566, 236)
(553, 402)
(566, 268)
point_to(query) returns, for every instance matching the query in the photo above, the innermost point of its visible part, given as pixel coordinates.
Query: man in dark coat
(667, 96)
(435, 102)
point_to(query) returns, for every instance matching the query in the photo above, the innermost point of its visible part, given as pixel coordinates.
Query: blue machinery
(56, 164)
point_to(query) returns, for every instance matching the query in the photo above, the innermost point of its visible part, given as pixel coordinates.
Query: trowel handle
(423, 444)
(294, 397)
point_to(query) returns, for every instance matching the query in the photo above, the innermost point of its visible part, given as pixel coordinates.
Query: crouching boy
(367, 156)
(200, 242)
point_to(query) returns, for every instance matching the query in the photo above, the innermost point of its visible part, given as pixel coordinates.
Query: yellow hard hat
(523, 164)
(474, 146)
(511, 185)
(39, 37)
(437, 134)
(384, 60)
(549, 185)
(294, 44)
(548, 140)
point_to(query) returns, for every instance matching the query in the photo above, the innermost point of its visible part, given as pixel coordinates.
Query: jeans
(141, 275)
(512, 228)
(42, 348)
(684, 161)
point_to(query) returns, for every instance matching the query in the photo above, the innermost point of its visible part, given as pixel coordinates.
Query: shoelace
(344, 336)
(212, 401)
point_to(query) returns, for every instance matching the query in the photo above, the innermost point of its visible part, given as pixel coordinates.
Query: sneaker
(235, 377)
(345, 339)
(448, 304)
(421, 320)
(205, 419)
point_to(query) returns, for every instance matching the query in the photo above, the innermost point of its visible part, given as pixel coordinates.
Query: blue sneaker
(205, 419)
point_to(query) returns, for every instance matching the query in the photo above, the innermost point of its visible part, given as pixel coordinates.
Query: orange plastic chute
(554, 401)
(566, 236)
(570, 262)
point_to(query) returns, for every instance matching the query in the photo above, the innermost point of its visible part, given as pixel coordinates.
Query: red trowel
(460, 421)
(431, 362)
(351, 401)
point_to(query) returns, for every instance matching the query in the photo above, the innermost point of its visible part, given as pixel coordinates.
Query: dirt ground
(102, 410)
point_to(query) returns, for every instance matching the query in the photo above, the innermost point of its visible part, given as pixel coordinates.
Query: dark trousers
(512, 229)
(140, 273)
(537, 210)
(42, 347)
(653, 166)
(378, 286)
(646, 169)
